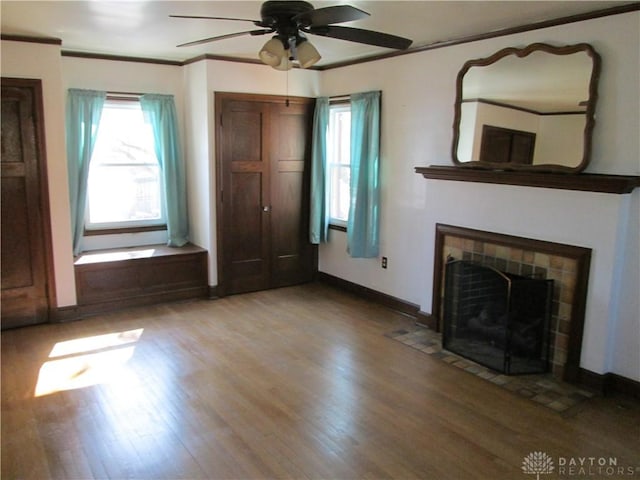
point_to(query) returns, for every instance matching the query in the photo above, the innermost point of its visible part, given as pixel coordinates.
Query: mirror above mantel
(528, 109)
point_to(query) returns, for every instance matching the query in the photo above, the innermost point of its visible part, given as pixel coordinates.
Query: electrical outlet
(384, 262)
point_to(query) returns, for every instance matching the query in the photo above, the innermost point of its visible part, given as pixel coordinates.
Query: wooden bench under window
(112, 279)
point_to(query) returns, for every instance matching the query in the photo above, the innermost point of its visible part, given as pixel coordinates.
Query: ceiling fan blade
(328, 15)
(255, 22)
(223, 37)
(359, 35)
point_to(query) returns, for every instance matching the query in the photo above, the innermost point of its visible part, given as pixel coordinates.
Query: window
(124, 186)
(339, 162)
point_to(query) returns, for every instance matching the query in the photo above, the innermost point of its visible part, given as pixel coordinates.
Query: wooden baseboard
(592, 381)
(77, 312)
(428, 320)
(620, 384)
(389, 301)
(609, 383)
(213, 292)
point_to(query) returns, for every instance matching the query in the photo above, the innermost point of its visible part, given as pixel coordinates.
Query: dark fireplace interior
(497, 319)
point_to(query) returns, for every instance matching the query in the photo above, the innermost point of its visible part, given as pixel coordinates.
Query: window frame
(137, 226)
(334, 222)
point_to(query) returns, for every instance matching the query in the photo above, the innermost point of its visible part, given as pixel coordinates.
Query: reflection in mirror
(528, 109)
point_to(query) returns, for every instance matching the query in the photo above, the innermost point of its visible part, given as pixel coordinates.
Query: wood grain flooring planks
(292, 383)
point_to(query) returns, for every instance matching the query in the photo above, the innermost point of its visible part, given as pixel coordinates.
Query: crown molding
(120, 58)
(617, 10)
(209, 56)
(631, 7)
(30, 39)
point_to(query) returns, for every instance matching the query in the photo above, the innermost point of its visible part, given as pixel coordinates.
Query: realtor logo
(536, 463)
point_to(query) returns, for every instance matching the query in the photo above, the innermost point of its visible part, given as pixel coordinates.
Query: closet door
(24, 206)
(263, 151)
(292, 256)
(244, 199)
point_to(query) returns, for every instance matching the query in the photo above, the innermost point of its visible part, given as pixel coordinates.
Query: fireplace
(497, 319)
(567, 265)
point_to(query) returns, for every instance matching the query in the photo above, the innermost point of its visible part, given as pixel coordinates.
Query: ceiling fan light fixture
(273, 52)
(307, 54)
(285, 63)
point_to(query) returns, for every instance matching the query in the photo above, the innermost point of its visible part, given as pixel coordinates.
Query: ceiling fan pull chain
(287, 87)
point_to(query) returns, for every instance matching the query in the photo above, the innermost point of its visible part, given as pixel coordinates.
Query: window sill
(341, 228)
(133, 253)
(119, 231)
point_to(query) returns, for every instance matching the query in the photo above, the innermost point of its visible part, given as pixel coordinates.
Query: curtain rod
(345, 97)
(124, 94)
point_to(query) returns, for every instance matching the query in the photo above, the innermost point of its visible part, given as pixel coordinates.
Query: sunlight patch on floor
(83, 362)
(96, 342)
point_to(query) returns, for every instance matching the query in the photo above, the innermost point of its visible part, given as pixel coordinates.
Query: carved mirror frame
(521, 53)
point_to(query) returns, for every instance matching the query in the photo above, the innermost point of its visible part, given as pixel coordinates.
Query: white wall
(33, 60)
(560, 137)
(197, 148)
(467, 131)
(624, 338)
(418, 92)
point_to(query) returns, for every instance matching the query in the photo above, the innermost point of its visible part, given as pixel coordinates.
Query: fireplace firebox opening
(497, 319)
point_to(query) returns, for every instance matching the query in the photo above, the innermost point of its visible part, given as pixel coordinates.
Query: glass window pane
(339, 153)
(124, 194)
(340, 198)
(123, 136)
(124, 176)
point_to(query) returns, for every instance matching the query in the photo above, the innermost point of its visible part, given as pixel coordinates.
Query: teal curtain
(84, 109)
(364, 212)
(160, 112)
(319, 216)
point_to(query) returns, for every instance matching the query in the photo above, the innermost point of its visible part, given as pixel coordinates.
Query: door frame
(219, 97)
(35, 85)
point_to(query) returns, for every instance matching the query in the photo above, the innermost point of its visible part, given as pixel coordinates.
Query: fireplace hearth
(498, 319)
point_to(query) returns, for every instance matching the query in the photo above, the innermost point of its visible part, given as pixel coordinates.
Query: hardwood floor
(298, 382)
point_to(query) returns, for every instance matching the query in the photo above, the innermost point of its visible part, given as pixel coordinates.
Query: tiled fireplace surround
(566, 265)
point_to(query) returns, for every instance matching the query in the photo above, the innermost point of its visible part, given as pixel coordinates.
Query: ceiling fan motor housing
(279, 14)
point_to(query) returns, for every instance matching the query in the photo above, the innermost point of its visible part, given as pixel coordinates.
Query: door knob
(266, 208)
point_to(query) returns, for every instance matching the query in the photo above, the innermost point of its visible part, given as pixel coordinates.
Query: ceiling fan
(292, 20)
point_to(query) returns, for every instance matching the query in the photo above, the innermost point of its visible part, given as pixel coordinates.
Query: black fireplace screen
(497, 319)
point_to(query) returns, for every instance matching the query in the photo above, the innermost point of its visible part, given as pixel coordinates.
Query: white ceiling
(144, 29)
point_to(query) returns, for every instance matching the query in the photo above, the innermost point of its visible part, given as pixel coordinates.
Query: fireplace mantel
(589, 182)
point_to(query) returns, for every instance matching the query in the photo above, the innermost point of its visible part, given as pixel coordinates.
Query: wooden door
(263, 170)
(292, 256)
(24, 206)
(505, 145)
(244, 196)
